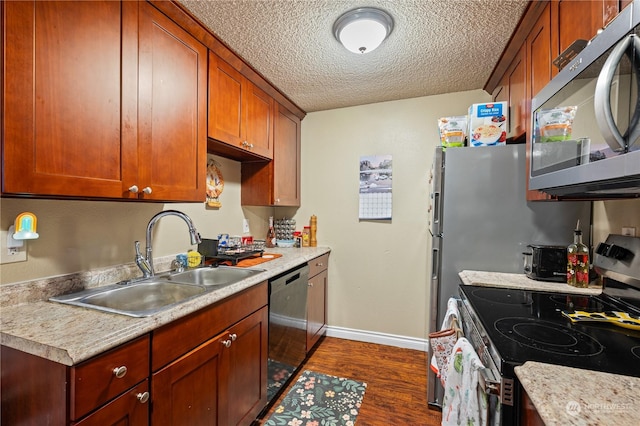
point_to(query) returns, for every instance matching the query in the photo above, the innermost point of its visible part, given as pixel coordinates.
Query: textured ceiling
(437, 46)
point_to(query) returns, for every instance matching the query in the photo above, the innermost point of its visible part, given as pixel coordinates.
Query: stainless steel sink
(149, 296)
(137, 299)
(220, 276)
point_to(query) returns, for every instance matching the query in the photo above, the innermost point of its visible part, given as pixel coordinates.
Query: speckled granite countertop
(571, 396)
(521, 281)
(70, 334)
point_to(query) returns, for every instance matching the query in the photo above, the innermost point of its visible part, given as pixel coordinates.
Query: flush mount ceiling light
(362, 30)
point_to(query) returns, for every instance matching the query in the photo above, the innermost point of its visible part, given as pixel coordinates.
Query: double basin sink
(145, 297)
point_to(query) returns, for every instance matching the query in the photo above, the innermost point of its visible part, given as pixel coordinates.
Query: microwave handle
(602, 104)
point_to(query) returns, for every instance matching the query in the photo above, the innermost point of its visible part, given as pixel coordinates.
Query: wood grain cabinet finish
(97, 391)
(131, 408)
(240, 113)
(222, 378)
(546, 30)
(172, 110)
(317, 300)
(277, 182)
(95, 102)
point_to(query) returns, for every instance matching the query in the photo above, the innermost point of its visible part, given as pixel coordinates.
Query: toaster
(546, 263)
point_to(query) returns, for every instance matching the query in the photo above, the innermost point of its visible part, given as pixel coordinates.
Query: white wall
(378, 269)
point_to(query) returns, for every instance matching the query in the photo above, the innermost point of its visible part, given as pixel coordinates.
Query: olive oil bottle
(578, 261)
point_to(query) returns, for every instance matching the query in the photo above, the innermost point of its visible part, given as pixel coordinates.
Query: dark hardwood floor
(396, 380)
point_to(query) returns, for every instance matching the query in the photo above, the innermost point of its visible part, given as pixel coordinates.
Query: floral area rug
(319, 400)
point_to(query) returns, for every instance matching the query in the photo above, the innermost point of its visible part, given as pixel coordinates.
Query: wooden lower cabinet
(317, 300)
(37, 391)
(131, 408)
(221, 382)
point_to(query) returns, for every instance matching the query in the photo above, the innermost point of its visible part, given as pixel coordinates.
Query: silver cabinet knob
(143, 397)
(250, 145)
(233, 337)
(134, 189)
(310, 284)
(320, 264)
(147, 190)
(226, 343)
(120, 372)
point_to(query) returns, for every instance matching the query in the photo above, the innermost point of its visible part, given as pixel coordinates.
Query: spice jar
(306, 233)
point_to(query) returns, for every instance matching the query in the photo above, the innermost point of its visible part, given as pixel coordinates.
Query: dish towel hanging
(464, 403)
(442, 341)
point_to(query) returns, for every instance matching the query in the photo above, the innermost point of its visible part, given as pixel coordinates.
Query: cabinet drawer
(96, 381)
(318, 264)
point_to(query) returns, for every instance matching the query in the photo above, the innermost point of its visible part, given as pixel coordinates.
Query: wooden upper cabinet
(172, 110)
(101, 97)
(573, 20)
(518, 102)
(65, 121)
(240, 113)
(539, 53)
(277, 182)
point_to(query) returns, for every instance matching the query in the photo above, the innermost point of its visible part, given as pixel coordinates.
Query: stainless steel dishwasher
(287, 327)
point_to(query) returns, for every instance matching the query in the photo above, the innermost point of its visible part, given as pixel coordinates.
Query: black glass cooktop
(527, 325)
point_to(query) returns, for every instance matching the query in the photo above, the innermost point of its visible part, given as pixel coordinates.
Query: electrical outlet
(245, 225)
(629, 231)
(12, 255)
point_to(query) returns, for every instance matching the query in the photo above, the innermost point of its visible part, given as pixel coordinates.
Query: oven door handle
(502, 387)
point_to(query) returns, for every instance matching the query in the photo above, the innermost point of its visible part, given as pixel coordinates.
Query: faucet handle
(142, 263)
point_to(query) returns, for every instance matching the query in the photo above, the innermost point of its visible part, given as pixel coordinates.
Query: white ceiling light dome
(362, 30)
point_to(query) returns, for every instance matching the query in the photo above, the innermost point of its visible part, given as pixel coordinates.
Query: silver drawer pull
(120, 372)
(226, 343)
(320, 264)
(233, 337)
(143, 397)
(310, 284)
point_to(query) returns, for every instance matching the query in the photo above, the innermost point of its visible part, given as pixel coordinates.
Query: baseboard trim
(379, 338)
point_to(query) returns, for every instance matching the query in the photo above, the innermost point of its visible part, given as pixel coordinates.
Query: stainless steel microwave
(585, 140)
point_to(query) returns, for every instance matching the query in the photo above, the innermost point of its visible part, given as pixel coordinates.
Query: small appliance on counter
(546, 263)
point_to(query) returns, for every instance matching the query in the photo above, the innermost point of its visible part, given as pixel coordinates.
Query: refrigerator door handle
(437, 212)
(435, 265)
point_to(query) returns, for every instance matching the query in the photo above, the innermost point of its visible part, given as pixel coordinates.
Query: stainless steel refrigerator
(480, 220)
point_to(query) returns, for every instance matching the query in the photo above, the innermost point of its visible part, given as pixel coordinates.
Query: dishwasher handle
(280, 282)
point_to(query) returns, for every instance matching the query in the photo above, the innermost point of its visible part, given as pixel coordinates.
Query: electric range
(508, 327)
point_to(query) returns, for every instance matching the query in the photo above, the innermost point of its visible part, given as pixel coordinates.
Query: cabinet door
(539, 53)
(276, 182)
(131, 408)
(518, 102)
(580, 20)
(225, 102)
(258, 121)
(316, 308)
(66, 121)
(247, 392)
(172, 110)
(189, 391)
(286, 159)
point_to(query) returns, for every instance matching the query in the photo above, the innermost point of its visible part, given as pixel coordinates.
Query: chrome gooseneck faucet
(145, 263)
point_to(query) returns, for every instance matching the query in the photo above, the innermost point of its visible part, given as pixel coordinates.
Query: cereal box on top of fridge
(488, 124)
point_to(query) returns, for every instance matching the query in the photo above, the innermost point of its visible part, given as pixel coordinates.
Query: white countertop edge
(70, 334)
